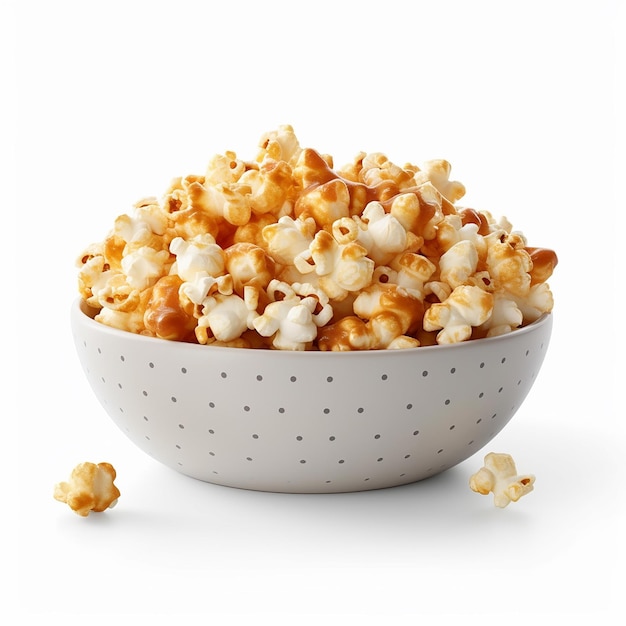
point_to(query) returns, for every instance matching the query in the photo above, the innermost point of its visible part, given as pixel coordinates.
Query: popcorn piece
(227, 316)
(144, 266)
(270, 187)
(509, 263)
(505, 317)
(499, 476)
(380, 233)
(249, 266)
(199, 255)
(325, 203)
(538, 301)
(164, 316)
(189, 215)
(467, 306)
(288, 239)
(437, 172)
(458, 263)
(412, 272)
(280, 144)
(293, 315)
(419, 211)
(90, 488)
(341, 268)
(376, 168)
(224, 168)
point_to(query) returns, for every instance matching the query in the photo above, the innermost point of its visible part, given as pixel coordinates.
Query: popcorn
(293, 316)
(90, 488)
(465, 307)
(165, 316)
(458, 263)
(225, 315)
(509, 263)
(285, 251)
(288, 240)
(341, 267)
(380, 233)
(144, 266)
(437, 172)
(499, 476)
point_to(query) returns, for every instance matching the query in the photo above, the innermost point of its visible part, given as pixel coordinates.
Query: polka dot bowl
(308, 422)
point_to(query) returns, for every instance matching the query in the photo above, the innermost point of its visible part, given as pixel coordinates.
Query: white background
(115, 99)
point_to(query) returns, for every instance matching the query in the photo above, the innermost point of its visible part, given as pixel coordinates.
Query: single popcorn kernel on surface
(499, 476)
(201, 263)
(90, 488)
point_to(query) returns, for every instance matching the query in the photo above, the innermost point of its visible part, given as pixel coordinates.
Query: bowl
(308, 422)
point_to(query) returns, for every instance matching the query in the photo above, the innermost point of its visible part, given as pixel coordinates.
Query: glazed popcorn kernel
(284, 251)
(89, 488)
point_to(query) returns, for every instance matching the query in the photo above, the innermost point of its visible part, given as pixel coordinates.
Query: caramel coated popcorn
(90, 488)
(285, 251)
(499, 476)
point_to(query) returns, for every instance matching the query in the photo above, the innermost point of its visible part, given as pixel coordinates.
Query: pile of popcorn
(286, 252)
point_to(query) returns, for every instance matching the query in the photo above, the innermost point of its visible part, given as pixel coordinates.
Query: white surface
(115, 100)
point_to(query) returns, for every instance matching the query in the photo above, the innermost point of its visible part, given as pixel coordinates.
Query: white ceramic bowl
(308, 422)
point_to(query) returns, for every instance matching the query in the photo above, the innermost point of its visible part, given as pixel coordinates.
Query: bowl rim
(81, 312)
